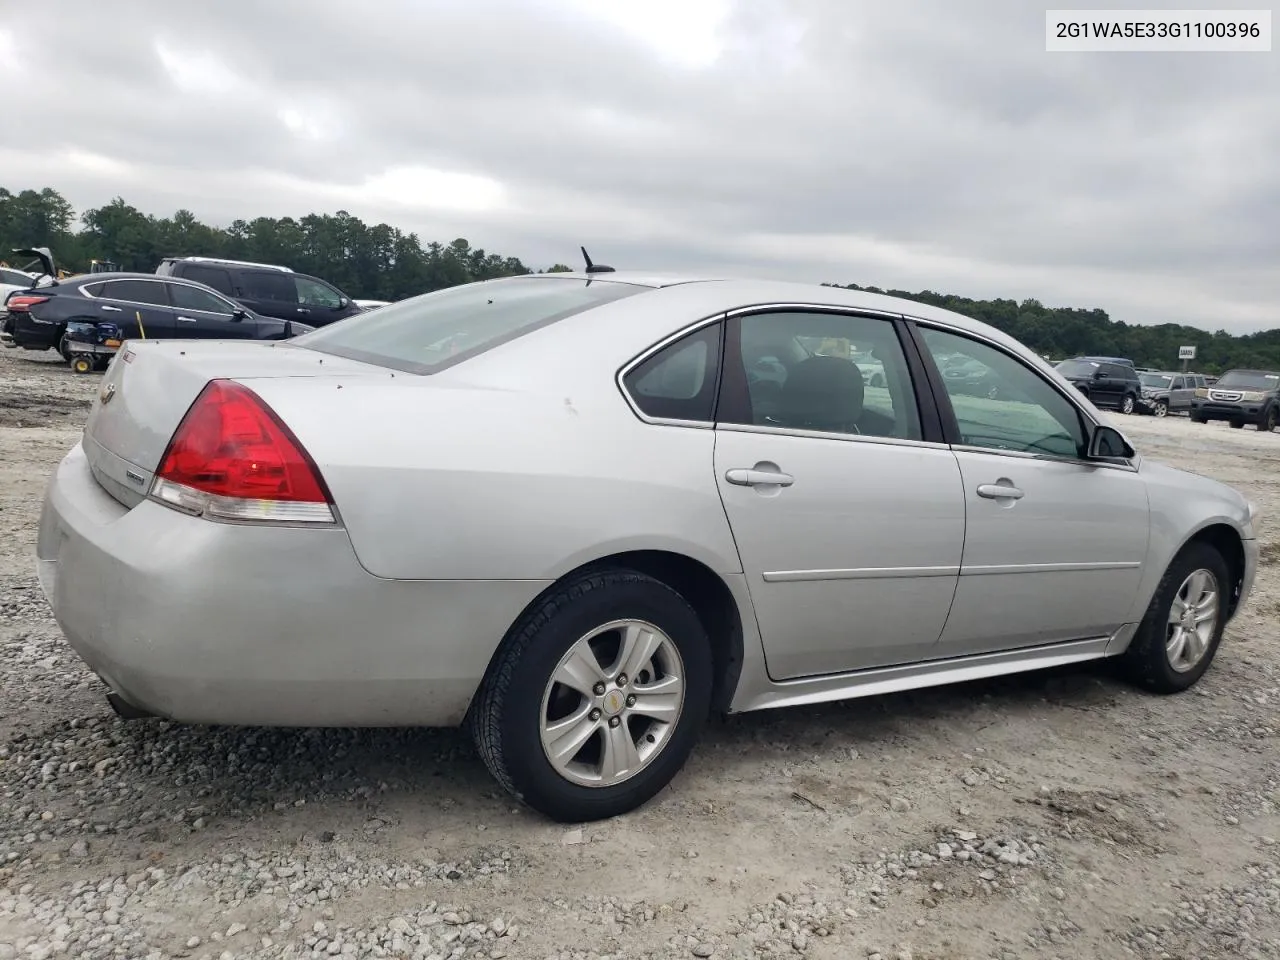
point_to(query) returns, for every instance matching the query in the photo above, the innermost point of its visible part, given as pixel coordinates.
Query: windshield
(1157, 381)
(436, 330)
(1249, 380)
(1077, 368)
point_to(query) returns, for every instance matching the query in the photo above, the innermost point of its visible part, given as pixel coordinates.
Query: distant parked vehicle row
(139, 306)
(267, 289)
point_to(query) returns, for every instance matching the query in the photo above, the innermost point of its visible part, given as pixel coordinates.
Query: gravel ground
(1060, 815)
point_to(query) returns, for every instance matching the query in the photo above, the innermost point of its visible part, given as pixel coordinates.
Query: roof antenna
(594, 267)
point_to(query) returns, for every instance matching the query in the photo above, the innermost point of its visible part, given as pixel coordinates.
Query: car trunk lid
(151, 384)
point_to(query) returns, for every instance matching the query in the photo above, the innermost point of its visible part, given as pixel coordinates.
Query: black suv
(1106, 381)
(270, 290)
(140, 305)
(1240, 397)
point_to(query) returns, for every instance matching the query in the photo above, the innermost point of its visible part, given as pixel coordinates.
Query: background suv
(270, 290)
(1106, 381)
(140, 304)
(1240, 397)
(1168, 392)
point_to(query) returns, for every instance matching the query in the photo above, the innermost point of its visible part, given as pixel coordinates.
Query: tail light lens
(232, 458)
(22, 304)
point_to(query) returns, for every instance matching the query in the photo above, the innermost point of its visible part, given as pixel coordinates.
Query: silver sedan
(581, 512)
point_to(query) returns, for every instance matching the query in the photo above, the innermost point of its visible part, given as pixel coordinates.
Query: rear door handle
(303, 310)
(758, 478)
(1000, 491)
(187, 319)
(112, 309)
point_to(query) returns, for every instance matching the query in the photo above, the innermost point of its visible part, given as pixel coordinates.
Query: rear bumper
(25, 331)
(208, 622)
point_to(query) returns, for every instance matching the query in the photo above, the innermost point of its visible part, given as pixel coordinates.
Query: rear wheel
(1126, 405)
(597, 697)
(82, 364)
(1179, 636)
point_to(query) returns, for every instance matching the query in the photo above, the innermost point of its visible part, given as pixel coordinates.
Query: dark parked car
(270, 290)
(1240, 397)
(1166, 392)
(1106, 381)
(141, 305)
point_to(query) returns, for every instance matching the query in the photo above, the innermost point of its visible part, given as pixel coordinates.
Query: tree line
(1059, 332)
(371, 262)
(382, 262)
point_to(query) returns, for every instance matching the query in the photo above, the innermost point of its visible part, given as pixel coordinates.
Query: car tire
(1161, 408)
(1237, 424)
(566, 634)
(1127, 404)
(1156, 658)
(1196, 418)
(1268, 422)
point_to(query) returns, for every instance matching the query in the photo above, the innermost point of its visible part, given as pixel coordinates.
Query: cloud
(921, 144)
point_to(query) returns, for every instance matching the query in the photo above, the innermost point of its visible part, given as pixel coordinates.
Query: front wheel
(82, 364)
(1161, 409)
(1196, 418)
(596, 698)
(1268, 422)
(1126, 405)
(1182, 629)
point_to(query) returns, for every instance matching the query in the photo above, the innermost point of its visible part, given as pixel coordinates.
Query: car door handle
(303, 310)
(999, 491)
(758, 478)
(187, 319)
(112, 309)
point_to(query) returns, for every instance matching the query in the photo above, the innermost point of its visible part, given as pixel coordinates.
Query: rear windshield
(425, 334)
(1078, 368)
(1249, 380)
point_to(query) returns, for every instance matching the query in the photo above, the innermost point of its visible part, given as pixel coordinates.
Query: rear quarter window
(437, 330)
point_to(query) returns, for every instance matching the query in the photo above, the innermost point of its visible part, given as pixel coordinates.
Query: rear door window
(215, 277)
(269, 285)
(137, 291)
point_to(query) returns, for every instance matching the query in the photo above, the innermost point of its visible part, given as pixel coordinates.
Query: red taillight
(22, 304)
(232, 458)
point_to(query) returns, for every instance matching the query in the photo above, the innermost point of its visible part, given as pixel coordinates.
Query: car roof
(704, 295)
(84, 278)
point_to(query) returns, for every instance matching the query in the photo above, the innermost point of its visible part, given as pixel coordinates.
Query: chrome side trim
(828, 435)
(860, 573)
(1128, 465)
(1085, 566)
(915, 676)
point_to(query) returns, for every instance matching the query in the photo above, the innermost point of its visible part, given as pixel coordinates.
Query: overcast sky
(911, 144)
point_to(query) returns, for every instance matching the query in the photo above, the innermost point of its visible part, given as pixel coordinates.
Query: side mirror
(343, 303)
(1106, 443)
(240, 314)
(1097, 374)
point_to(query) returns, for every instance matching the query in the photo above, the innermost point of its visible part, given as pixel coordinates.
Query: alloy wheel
(612, 703)
(1193, 618)
(1161, 409)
